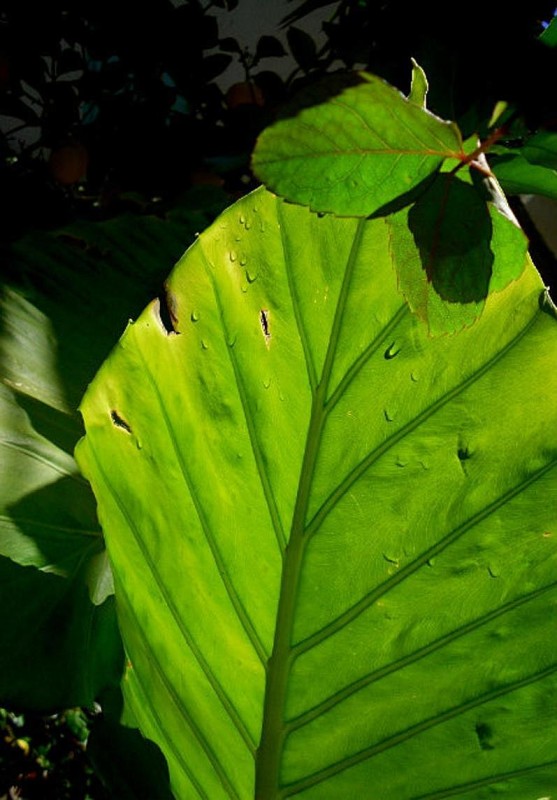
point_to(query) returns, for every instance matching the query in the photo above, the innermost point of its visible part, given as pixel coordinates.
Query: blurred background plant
(105, 104)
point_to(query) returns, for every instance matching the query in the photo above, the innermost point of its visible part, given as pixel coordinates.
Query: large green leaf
(333, 538)
(356, 152)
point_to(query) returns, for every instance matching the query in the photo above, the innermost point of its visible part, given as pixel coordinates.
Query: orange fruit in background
(68, 163)
(244, 94)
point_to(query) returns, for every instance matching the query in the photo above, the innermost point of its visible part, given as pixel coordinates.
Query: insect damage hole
(264, 315)
(166, 312)
(119, 422)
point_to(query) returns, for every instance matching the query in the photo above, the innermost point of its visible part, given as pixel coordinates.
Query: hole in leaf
(119, 422)
(391, 351)
(167, 312)
(264, 315)
(484, 734)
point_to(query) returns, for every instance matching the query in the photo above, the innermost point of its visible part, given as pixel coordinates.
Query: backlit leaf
(419, 85)
(333, 537)
(356, 152)
(517, 175)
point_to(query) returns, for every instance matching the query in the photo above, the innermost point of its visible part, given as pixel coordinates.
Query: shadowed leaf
(443, 252)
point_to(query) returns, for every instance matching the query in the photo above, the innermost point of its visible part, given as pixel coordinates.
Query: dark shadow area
(61, 519)
(49, 624)
(63, 430)
(130, 766)
(452, 229)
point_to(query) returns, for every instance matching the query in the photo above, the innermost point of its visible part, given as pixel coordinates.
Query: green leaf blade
(517, 175)
(332, 536)
(451, 249)
(360, 150)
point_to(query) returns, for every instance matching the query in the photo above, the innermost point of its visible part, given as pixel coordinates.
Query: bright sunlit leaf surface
(360, 150)
(332, 536)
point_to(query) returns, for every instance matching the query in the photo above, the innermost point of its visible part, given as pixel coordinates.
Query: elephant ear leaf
(332, 536)
(360, 149)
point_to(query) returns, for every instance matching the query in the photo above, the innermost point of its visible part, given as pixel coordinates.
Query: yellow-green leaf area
(332, 536)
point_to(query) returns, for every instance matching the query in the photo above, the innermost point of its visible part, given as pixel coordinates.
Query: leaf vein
(463, 788)
(266, 486)
(177, 700)
(302, 333)
(358, 608)
(414, 730)
(241, 612)
(356, 473)
(348, 691)
(188, 638)
(159, 724)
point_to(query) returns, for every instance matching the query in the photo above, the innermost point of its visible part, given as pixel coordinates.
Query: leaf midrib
(274, 730)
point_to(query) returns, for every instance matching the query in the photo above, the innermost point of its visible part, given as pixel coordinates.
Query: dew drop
(247, 225)
(204, 345)
(194, 316)
(251, 275)
(244, 287)
(243, 261)
(232, 256)
(231, 340)
(391, 559)
(267, 383)
(387, 416)
(413, 377)
(242, 220)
